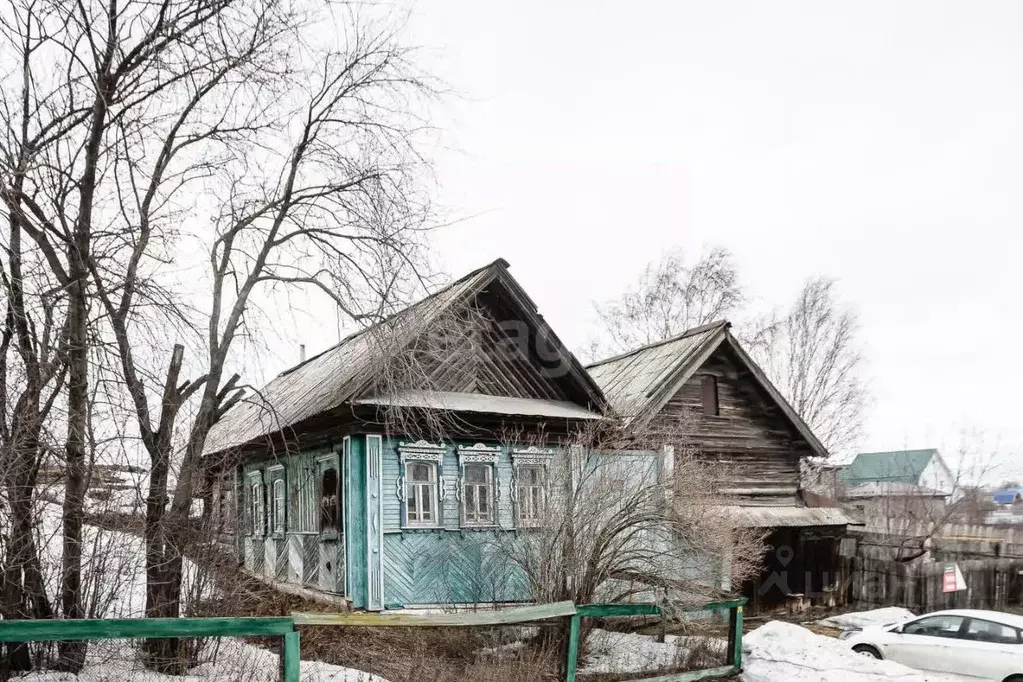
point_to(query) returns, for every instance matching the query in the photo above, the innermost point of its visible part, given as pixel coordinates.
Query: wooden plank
(613, 610)
(292, 657)
(572, 657)
(692, 675)
(719, 605)
(134, 628)
(521, 614)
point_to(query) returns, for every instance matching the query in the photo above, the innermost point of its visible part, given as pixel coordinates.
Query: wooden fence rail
(140, 628)
(284, 627)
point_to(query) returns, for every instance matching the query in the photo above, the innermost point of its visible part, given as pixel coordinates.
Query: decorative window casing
(420, 488)
(531, 468)
(303, 495)
(478, 485)
(278, 500)
(257, 512)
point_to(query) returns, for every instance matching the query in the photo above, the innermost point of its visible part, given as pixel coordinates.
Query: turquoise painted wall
(449, 505)
(355, 521)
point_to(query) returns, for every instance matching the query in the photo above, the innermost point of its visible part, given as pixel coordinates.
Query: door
(330, 573)
(926, 643)
(374, 524)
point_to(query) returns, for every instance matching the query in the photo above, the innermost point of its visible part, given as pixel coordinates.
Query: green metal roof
(900, 466)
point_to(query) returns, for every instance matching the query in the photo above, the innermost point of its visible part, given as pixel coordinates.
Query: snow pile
(783, 652)
(625, 652)
(114, 578)
(235, 662)
(866, 619)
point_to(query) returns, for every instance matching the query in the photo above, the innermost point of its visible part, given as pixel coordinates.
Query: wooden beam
(137, 628)
(692, 675)
(520, 614)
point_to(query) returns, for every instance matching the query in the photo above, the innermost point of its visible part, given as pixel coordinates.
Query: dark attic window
(330, 505)
(710, 395)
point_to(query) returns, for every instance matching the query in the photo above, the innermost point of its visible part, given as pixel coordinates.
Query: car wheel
(867, 650)
(1013, 678)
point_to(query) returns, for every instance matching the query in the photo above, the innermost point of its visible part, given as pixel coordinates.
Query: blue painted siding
(355, 521)
(442, 567)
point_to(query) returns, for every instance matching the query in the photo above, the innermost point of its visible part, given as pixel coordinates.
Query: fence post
(735, 635)
(292, 656)
(572, 655)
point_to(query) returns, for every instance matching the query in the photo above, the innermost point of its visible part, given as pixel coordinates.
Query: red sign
(948, 583)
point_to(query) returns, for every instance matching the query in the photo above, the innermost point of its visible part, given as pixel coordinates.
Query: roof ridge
(498, 262)
(688, 332)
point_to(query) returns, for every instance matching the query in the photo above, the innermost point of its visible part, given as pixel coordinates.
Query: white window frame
(277, 502)
(486, 456)
(432, 455)
(530, 457)
(257, 508)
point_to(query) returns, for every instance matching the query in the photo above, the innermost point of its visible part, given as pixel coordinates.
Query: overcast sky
(876, 142)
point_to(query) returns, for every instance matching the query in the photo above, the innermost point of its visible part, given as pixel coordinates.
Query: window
(530, 493)
(277, 507)
(935, 626)
(710, 395)
(302, 497)
(256, 509)
(478, 494)
(330, 504)
(995, 633)
(421, 493)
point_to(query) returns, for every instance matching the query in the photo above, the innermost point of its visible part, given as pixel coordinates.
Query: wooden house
(731, 413)
(323, 489)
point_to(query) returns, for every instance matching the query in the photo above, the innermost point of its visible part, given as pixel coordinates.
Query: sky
(875, 142)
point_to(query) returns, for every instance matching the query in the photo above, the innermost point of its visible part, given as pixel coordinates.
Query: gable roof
(898, 466)
(639, 383)
(343, 372)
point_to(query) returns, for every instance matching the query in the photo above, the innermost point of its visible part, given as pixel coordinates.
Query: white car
(986, 645)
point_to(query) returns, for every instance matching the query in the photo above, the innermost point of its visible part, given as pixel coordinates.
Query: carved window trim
(532, 456)
(419, 452)
(479, 454)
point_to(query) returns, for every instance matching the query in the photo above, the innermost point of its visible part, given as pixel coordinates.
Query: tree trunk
(162, 655)
(71, 655)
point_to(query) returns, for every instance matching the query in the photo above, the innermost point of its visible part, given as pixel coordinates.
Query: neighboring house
(925, 469)
(337, 497)
(732, 414)
(1008, 507)
(883, 502)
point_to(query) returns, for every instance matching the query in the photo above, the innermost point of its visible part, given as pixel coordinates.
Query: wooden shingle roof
(639, 383)
(347, 370)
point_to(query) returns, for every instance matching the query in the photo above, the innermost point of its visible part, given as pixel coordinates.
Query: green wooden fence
(142, 628)
(734, 651)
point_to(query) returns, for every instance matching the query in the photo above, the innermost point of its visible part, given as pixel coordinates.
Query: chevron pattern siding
(439, 567)
(311, 560)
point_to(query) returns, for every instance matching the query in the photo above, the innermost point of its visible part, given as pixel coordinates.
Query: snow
(114, 580)
(866, 619)
(625, 652)
(783, 652)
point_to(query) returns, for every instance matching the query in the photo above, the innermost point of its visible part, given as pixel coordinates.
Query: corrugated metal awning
(790, 517)
(485, 404)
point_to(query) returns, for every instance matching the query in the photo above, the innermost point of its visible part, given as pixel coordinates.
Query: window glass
(530, 494)
(995, 633)
(935, 626)
(278, 506)
(330, 505)
(421, 493)
(478, 494)
(256, 508)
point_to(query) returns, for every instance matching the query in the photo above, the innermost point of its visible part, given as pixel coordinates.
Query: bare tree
(119, 115)
(625, 517)
(670, 297)
(812, 353)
